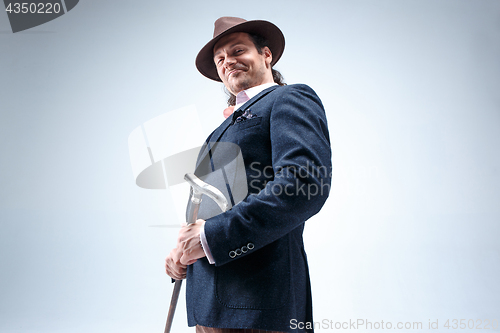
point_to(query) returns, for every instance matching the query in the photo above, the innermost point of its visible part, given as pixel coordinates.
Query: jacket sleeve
(301, 161)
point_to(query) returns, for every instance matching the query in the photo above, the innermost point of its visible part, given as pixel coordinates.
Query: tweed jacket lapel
(217, 134)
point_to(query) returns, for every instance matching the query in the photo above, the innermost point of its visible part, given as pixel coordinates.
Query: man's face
(239, 64)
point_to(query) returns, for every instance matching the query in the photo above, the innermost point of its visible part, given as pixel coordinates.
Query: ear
(266, 52)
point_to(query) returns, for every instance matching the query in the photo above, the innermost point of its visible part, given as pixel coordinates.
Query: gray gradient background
(410, 232)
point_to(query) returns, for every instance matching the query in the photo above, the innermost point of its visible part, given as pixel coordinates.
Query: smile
(234, 71)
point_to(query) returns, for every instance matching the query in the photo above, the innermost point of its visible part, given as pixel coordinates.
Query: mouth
(234, 71)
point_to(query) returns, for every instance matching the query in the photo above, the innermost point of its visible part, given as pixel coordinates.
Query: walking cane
(198, 188)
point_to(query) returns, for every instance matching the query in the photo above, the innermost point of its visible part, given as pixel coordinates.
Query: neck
(266, 80)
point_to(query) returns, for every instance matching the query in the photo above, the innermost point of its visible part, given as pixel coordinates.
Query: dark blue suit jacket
(260, 278)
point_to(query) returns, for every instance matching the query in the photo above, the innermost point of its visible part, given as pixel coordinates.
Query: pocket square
(246, 115)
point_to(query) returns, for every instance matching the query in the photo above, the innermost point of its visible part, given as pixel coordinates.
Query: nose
(229, 61)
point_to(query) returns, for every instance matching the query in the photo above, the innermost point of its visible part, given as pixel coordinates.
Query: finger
(173, 267)
(176, 276)
(187, 258)
(183, 260)
(176, 273)
(180, 275)
(177, 253)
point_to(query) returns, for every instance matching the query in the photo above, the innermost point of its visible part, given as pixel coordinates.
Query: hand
(174, 268)
(189, 242)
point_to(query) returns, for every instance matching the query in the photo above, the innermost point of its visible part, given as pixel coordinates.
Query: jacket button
(244, 249)
(238, 252)
(232, 254)
(250, 246)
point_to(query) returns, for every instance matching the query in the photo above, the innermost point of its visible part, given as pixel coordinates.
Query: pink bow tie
(242, 97)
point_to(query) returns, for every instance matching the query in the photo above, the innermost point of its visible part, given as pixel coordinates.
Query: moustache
(237, 67)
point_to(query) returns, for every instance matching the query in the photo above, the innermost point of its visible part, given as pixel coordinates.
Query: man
(247, 268)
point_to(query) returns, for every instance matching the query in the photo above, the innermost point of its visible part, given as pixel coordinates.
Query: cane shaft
(173, 305)
(198, 188)
(196, 201)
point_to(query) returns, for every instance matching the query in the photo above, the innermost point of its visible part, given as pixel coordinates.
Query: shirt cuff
(205, 247)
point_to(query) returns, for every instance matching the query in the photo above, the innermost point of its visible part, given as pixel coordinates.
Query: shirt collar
(254, 91)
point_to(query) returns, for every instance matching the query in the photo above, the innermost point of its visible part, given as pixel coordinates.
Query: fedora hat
(227, 25)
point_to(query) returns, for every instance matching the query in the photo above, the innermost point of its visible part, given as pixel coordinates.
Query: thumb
(185, 260)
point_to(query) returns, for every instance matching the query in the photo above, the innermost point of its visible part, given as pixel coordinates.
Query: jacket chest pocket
(249, 131)
(247, 123)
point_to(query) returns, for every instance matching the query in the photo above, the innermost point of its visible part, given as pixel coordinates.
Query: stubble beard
(240, 85)
(244, 82)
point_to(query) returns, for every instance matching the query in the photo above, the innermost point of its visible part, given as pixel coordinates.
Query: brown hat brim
(274, 36)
